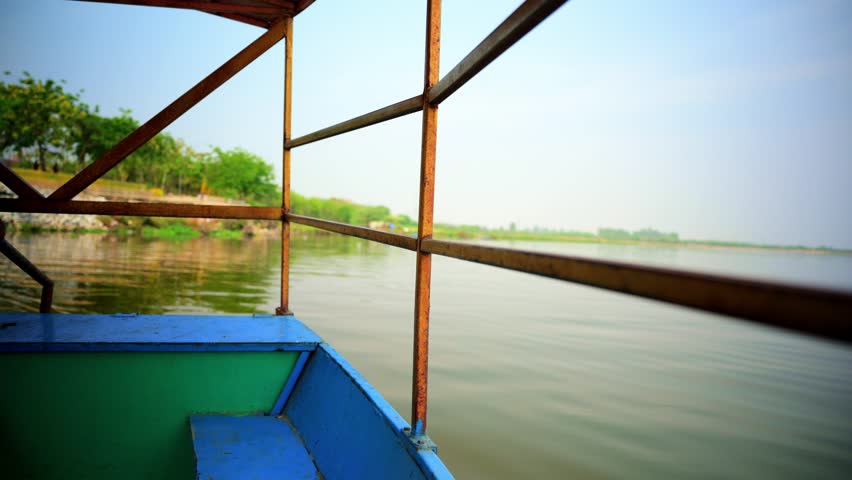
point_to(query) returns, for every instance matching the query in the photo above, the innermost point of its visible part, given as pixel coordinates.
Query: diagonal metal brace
(24, 264)
(166, 116)
(17, 184)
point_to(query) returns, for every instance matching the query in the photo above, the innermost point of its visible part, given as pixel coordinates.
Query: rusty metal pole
(284, 307)
(425, 220)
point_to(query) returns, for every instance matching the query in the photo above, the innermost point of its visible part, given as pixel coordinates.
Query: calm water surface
(530, 377)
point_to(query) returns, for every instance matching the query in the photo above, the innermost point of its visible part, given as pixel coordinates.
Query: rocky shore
(54, 222)
(151, 226)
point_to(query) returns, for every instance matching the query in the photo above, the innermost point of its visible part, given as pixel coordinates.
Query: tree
(8, 105)
(187, 170)
(239, 173)
(614, 234)
(85, 132)
(36, 114)
(107, 132)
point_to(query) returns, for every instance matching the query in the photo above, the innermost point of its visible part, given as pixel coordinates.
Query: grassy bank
(53, 180)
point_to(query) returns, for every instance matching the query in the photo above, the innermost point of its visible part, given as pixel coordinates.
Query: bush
(174, 231)
(228, 234)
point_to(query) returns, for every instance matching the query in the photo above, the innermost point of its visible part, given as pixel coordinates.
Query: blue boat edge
(347, 428)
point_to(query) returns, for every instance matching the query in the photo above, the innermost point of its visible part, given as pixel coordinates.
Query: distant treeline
(344, 211)
(45, 127)
(463, 232)
(643, 235)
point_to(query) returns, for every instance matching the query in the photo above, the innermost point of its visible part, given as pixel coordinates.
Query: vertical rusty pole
(424, 221)
(284, 308)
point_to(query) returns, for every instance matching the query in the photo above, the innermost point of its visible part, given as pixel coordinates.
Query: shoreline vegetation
(181, 229)
(47, 134)
(377, 217)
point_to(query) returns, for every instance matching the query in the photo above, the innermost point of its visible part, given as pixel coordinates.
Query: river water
(529, 377)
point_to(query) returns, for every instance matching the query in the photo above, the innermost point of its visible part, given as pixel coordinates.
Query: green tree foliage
(86, 131)
(340, 210)
(644, 235)
(402, 220)
(7, 117)
(95, 135)
(651, 235)
(614, 234)
(241, 174)
(37, 115)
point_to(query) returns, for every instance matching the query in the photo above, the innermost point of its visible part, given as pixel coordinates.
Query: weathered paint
(123, 414)
(210, 7)
(89, 332)
(423, 269)
(816, 311)
(394, 239)
(350, 430)
(399, 109)
(249, 448)
(526, 17)
(290, 385)
(283, 306)
(154, 209)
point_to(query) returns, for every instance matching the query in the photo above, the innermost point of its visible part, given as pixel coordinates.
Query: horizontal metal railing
(518, 24)
(816, 311)
(143, 209)
(393, 239)
(399, 109)
(821, 312)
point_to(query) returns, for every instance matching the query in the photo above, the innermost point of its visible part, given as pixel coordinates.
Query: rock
(60, 222)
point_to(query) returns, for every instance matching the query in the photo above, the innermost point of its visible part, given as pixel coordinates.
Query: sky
(716, 119)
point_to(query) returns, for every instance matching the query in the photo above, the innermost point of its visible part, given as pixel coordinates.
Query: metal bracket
(421, 442)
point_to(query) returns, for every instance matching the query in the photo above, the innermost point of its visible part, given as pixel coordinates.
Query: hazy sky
(718, 119)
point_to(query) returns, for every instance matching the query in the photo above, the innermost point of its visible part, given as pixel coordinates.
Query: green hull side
(123, 415)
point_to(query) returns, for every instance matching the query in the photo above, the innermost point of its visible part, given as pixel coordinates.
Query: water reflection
(110, 274)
